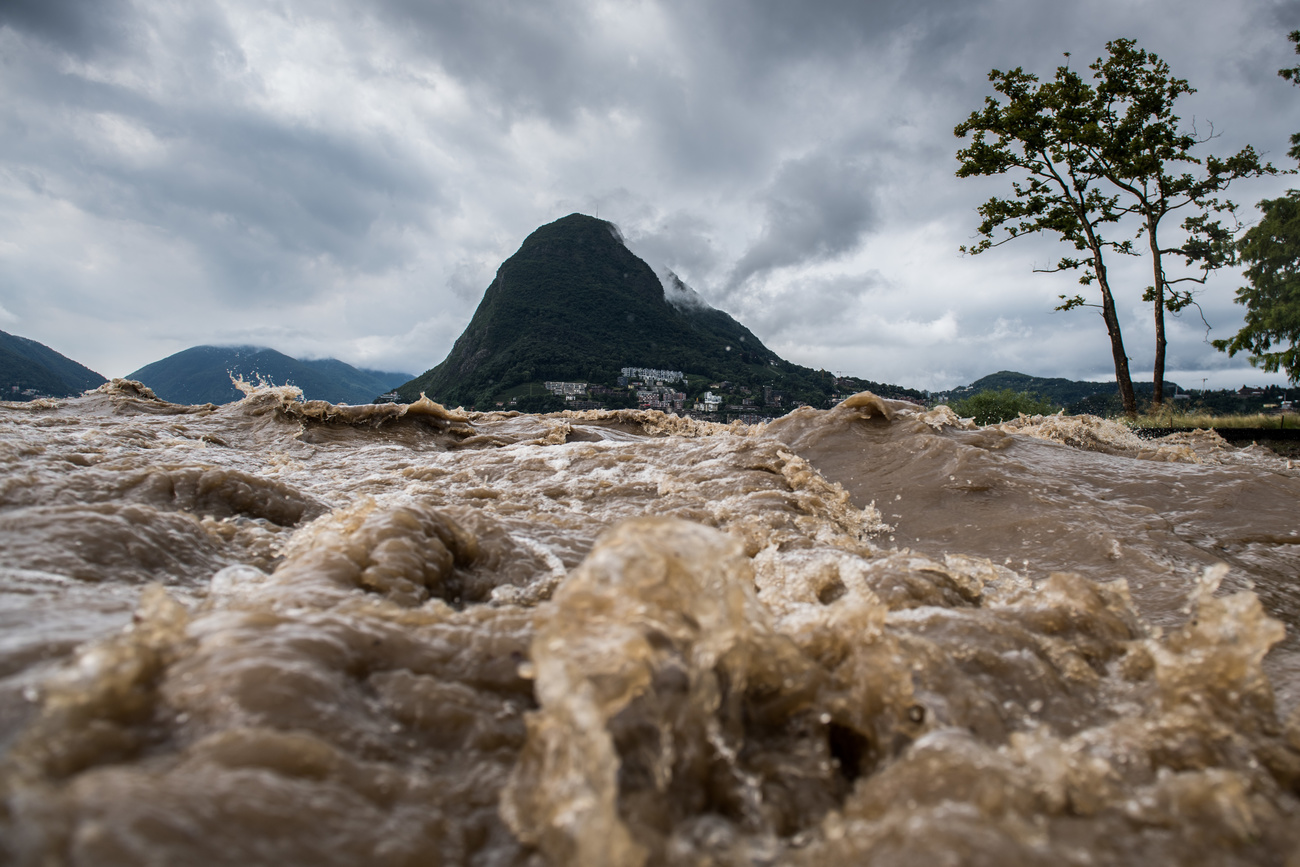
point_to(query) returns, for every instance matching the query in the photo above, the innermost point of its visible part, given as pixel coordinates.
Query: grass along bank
(1184, 420)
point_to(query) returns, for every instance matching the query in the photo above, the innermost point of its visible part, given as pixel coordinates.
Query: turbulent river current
(285, 632)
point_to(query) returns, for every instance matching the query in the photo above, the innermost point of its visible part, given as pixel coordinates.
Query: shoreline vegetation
(1289, 420)
(1279, 432)
(1276, 426)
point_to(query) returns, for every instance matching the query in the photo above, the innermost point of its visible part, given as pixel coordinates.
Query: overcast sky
(342, 179)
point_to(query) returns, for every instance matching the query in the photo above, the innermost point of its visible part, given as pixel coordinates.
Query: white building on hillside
(652, 375)
(566, 390)
(708, 402)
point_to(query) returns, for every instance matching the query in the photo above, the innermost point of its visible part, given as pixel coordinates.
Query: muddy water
(293, 633)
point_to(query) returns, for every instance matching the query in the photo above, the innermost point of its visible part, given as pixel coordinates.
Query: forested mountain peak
(574, 303)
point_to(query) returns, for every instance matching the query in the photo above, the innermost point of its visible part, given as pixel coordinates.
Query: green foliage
(696, 385)
(852, 385)
(1107, 403)
(1041, 132)
(992, 407)
(1272, 300)
(1061, 392)
(1069, 393)
(620, 400)
(1293, 75)
(1095, 153)
(1141, 149)
(1225, 402)
(1149, 157)
(1037, 132)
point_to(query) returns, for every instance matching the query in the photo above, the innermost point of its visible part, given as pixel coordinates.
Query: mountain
(201, 374)
(30, 369)
(1062, 392)
(575, 304)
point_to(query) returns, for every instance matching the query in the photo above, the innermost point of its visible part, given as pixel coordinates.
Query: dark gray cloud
(344, 178)
(818, 207)
(254, 194)
(524, 58)
(80, 27)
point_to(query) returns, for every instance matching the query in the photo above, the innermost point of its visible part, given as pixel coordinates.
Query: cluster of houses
(659, 389)
(649, 376)
(653, 388)
(566, 390)
(750, 410)
(18, 393)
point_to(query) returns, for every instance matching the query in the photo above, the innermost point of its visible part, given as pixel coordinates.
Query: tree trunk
(1158, 376)
(1109, 316)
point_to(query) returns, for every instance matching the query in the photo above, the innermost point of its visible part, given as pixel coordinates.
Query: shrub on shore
(992, 407)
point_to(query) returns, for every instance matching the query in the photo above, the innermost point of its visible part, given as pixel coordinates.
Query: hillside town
(18, 393)
(671, 391)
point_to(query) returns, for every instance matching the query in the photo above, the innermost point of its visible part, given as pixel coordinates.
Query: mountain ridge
(1061, 391)
(201, 374)
(573, 303)
(30, 369)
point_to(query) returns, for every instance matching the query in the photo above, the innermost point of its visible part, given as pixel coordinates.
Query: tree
(1272, 299)
(1096, 154)
(1004, 404)
(1138, 146)
(1040, 131)
(1293, 75)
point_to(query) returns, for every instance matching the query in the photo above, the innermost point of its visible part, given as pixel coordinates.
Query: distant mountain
(575, 304)
(29, 369)
(1062, 392)
(201, 374)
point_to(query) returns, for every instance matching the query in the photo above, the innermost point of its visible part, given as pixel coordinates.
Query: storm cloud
(335, 178)
(815, 209)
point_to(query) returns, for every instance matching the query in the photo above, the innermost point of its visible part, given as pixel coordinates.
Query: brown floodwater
(285, 632)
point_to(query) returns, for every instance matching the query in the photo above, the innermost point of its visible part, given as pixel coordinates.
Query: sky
(343, 179)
